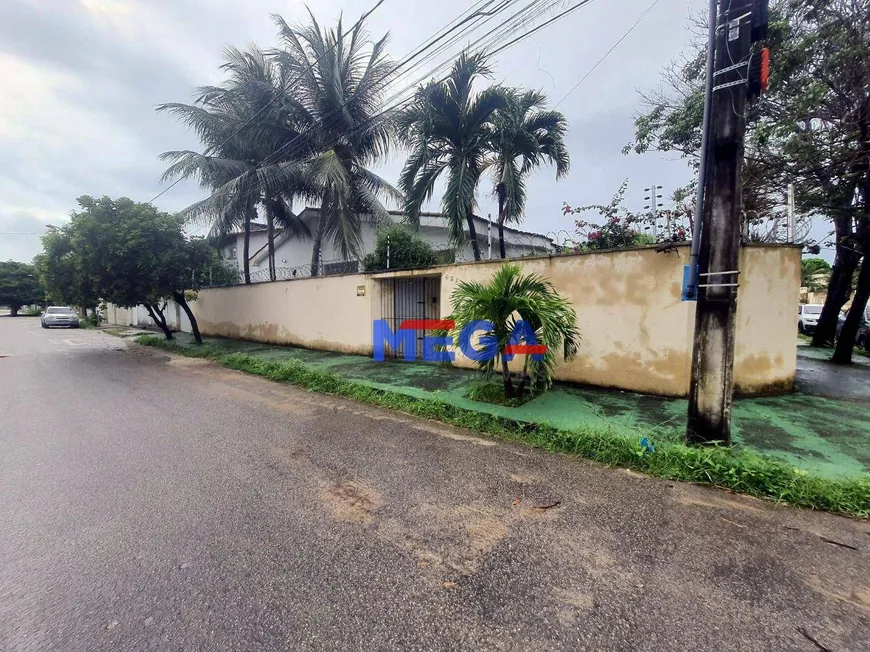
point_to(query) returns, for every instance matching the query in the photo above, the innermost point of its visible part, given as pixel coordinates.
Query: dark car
(60, 316)
(862, 337)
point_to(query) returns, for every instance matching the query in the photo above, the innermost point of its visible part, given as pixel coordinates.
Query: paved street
(150, 503)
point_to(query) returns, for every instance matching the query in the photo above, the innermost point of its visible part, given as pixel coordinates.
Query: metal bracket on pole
(719, 285)
(730, 68)
(736, 82)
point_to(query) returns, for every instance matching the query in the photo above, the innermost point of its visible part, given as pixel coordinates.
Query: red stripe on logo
(427, 325)
(516, 349)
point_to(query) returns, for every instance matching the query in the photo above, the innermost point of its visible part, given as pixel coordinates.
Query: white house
(293, 254)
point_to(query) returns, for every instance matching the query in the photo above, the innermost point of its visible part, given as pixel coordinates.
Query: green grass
(738, 470)
(493, 393)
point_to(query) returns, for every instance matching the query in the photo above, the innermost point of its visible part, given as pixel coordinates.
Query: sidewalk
(823, 435)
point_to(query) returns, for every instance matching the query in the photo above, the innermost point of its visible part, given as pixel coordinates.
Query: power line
(607, 54)
(476, 11)
(501, 31)
(529, 12)
(330, 120)
(542, 25)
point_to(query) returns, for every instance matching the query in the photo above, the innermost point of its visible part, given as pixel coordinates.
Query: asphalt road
(149, 503)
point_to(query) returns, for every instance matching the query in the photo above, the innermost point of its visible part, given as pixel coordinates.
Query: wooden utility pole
(712, 382)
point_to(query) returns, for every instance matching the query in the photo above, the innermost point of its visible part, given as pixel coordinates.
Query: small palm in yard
(509, 297)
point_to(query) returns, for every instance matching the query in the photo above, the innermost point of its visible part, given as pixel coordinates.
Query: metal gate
(410, 298)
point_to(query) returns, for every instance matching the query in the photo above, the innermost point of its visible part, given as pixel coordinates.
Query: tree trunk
(846, 341)
(840, 285)
(472, 233)
(181, 301)
(246, 263)
(506, 375)
(501, 218)
(270, 228)
(524, 378)
(13, 310)
(315, 253)
(159, 319)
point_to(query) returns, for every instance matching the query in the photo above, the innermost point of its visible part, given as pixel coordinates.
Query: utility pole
(790, 226)
(653, 199)
(712, 382)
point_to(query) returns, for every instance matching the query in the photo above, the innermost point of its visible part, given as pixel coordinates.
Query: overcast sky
(82, 77)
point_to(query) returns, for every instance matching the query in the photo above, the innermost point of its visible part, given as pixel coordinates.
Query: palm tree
(450, 128)
(534, 299)
(526, 136)
(246, 128)
(339, 89)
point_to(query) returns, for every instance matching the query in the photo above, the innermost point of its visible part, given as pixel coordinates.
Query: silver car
(60, 316)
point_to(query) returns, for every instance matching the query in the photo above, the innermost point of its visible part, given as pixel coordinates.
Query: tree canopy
(127, 253)
(812, 129)
(19, 286)
(397, 247)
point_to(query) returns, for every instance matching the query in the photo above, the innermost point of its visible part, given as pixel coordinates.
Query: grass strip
(738, 470)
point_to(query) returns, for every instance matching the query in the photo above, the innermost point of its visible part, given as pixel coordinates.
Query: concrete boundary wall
(637, 333)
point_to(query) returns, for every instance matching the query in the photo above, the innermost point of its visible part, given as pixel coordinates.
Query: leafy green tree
(396, 247)
(811, 128)
(511, 296)
(130, 254)
(340, 82)
(450, 128)
(19, 286)
(525, 136)
(815, 273)
(60, 271)
(247, 127)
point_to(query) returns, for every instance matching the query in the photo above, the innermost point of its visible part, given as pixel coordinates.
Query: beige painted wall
(637, 334)
(319, 313)
(765, 357)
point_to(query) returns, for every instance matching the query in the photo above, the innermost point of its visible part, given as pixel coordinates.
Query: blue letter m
(383, 334)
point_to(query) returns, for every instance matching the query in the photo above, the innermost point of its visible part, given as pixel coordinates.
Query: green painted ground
(822, 435)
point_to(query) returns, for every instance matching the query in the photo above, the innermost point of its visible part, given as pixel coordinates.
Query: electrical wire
(393, 102)
(607, 54)
(505, 29)
(397, 101)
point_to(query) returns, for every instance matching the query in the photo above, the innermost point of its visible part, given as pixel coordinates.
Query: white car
(60, 316)
(808, 317)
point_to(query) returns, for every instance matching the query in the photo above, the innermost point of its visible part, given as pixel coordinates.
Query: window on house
(346, 267)
(231, 253)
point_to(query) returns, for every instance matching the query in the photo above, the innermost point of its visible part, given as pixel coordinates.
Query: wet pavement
(822, 434)
(818, 376)
(158, 503)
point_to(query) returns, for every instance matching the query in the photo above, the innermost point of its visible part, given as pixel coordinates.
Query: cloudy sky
(82, 78)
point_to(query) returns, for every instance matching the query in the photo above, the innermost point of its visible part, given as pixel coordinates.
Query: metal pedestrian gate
(410, 298)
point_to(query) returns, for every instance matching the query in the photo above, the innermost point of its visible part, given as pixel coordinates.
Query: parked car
(60, 316)
(862, 337)
(808, 317)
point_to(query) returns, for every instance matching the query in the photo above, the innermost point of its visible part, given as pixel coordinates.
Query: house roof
(478, 218)
(257, 256)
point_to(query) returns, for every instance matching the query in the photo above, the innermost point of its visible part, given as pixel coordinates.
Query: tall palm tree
(246, 127)
(526, 136)
(449, 128)
(340, 84)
